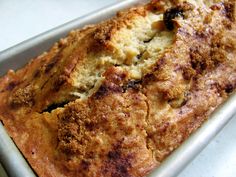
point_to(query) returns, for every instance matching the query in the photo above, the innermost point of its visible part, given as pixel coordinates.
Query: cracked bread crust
(109, 124)
(125, 125)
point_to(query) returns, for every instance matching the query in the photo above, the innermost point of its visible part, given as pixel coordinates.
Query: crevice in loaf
(135, 49)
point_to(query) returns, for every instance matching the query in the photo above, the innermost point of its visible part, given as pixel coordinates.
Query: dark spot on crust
(229, 11)
(89, 126)
(49, 66)
(112, 84)
(115, 88)
(121, 169)
(12, 85)
(37, 73)
(229, 88)
(85, 164)
(139, 56)
(133, 84)
(159, 64)
(215, 7)
(59, 82)
(102, 91)
(170, 14)
(52, 63)
(113, 155)
(174, 12)
(117, 164)
(148, 78)
(115, 76)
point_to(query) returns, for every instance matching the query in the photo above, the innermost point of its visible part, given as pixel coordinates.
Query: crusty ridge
(135, 91)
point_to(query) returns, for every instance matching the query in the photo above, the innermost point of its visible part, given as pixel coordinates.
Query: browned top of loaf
(119, 125)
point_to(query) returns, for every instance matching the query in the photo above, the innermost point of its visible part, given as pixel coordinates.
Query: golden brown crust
(124, 126)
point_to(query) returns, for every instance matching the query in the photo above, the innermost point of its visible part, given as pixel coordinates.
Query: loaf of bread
(116, 98)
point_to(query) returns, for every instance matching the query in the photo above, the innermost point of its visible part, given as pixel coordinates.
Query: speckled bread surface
(116, 98)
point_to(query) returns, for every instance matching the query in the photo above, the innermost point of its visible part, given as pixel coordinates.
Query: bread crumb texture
(116, 98)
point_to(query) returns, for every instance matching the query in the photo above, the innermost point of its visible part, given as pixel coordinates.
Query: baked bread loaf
(116, 98)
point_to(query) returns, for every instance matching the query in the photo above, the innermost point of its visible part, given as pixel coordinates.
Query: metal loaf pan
(17, 56)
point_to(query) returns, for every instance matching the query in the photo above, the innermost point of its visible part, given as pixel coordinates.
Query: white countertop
(21, 20)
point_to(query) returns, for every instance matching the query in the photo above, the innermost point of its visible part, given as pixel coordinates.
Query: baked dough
(116, 98)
